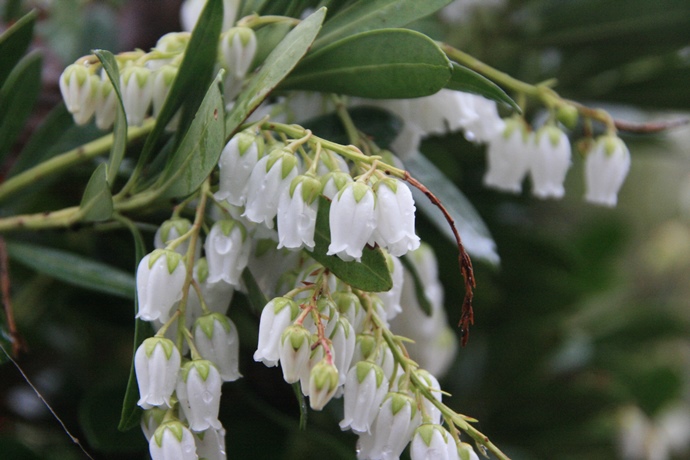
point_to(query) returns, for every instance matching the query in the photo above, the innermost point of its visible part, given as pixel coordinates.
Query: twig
(467, 314)
(651, 127)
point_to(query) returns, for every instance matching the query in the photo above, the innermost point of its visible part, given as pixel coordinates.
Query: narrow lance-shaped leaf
(14, 42)
(371, 274)
(379, 64)
(117, 150)
(73, 269)
(278, 65)
(97, 201)
(366, 15)
(469, 81)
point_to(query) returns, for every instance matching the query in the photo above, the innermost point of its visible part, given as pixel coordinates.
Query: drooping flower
(236, 163)
(276, 316)
(365, 388)
(217, 340)
(294, 351)
(297, 213)
(352, 221)
(343, 339)
(156, 363)
(550, 162)
(151, 419)
(172, 440)
(433, 442)
(391, 298)
(323, 382)
(198, 390)
(227, 252)
(210, 444)
(237, 49)
(333, 182)
(191, 10)
(136, 85)
(163, 79)
(435, 388)
(171, 230)
(271, 175)
(160, 278)
(79, 91)
(606, 167)
(350, 307)
(395, 217)
(106, 104)
(396, 421)
(508, 157)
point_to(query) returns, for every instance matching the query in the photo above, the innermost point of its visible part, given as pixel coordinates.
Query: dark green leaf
(371, 274)
(422, 299)
(193, 76)
(17, 98)
(381, 126)
(117, 150)
(469, 81)
(97, 201)
(200, 149)
(14, 42)
(73, 269)
(278, 64)
(475, 235)
(42, 144)
(366, 15)
(131, 412)
(257, 299)
(380, 64)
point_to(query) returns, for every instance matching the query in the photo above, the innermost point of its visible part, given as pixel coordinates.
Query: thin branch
(651, 127)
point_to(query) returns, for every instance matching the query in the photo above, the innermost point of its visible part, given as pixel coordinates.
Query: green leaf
(130, 416)
(200, 149)
(73, 269)
(193, 77)
(469, 81)
(267, 38)
(366, 15)
(257, 299)
(379, 64)
(473, 231)
(278, 64)
(17, 98)
(371, 274)
(381, 126)
(422, 299)
(97, 201)
(117, 150)
(14, 42)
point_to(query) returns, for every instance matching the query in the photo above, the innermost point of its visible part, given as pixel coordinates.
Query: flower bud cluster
(147, 78)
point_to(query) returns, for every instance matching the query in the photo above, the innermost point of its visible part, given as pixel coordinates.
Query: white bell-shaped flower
(297, 213)
(434, 387)
(466, 452)
(227, 252)
(106, 104)
(157, 364)
(433, 442)
(395, 217)
(79, 91)
(198, 390)
(606, 167)
(216, 296)
(323, 382)
(151, 419)
(315, 357)
(334, 182)
(168, 49)
(160, 278)
(395, 423)
(271, 175)
(355, 204)
(350, 307)
(343, 339)
(210, 444)
(172, 440)
(391, 298)
(237, 49)
(136, 86)
(550, 162)
(171, 230)
(487, 125)
(163, 79)
(217, 340)
(276, 316)
(365, 388)
(294, 351)
(237, 160)
(508, 157)
(191, 10)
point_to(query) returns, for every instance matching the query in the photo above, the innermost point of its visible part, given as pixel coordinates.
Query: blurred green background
(581, 346)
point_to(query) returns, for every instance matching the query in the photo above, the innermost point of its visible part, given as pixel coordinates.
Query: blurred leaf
(117, 149)
(200, 149)
(380, 64)
(17, 98)
(278, 64)
(469, 81)
(42, 143)
(12, 448)
(257, 299)
(422, 299)
(371, 274)
(97, 202)
(98, 417)
(73, 269)
(193, 77)
(380, 125)
(366, 15)
(474, 233)
(130, 416)
(14, 42)
(267, 39)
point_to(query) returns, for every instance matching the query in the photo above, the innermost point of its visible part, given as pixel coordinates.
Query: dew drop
(207, 397)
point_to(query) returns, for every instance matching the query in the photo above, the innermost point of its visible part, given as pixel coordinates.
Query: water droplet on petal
(207, 397)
